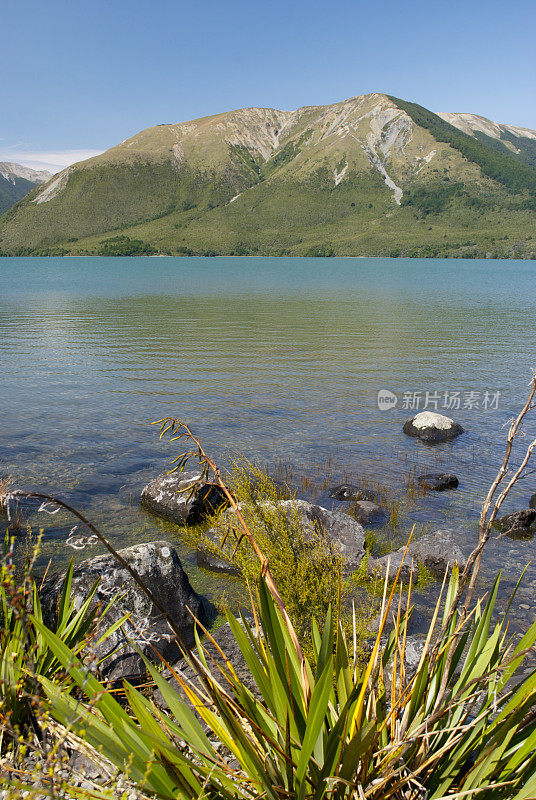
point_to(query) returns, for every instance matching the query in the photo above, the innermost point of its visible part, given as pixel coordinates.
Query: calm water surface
(281, 359)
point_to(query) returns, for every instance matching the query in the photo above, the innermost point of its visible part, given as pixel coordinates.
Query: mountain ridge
(371, 175)
(16, 181)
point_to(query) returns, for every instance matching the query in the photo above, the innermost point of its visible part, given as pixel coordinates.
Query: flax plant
(366, 730)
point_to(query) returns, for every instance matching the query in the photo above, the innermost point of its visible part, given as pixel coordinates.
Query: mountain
(521, 142)
(16, 181)
(372, 175)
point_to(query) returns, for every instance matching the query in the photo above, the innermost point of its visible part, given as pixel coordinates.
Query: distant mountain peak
(11, 171)
(16, 181)
(470, 123)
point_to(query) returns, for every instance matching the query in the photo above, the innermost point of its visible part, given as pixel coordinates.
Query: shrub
(319, 251)
(306, 566)
(124, 246)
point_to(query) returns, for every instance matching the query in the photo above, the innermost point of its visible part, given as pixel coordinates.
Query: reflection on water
(279, 358)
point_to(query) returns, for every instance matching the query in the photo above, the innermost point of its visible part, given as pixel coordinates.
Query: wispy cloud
(51, 161)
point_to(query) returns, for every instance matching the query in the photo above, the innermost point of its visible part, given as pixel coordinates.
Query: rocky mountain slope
(373, 175)
(16, 181)
(506, 138)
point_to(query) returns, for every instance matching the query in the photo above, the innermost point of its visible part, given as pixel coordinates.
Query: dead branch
(180, 430)
(491, 506)
(490, 509)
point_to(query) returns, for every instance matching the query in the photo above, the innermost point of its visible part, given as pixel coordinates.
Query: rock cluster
(519, 525)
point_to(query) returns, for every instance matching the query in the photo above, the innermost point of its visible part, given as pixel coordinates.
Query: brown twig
(470, 573)
(18, 493)
(485, 525)
(180, 430)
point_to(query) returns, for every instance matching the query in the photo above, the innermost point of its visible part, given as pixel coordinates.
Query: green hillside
(11, 193)
(372, 175)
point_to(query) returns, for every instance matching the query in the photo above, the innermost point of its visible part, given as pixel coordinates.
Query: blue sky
(78, 77)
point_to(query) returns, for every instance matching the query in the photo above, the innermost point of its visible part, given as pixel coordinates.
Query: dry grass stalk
(210, 472)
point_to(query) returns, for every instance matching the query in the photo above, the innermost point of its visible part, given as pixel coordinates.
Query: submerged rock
(438, 481)
(347, 491)
(159, 567)
(519, 525)
(167, 496)
(368, 513)
(432, 428)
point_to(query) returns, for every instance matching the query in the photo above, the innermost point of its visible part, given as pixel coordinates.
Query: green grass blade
(315, 722)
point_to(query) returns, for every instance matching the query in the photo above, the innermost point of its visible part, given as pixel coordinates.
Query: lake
(280, 359)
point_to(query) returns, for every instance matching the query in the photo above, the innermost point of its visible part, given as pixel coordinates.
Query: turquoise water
(281, 359)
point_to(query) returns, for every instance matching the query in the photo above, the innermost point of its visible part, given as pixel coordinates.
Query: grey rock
(438, 551)
(413, 652)
(432, 428)
(377, 567)
(167, 496)
(342, 530)
(368, 513)
(159, 567)
(438, 481)
(83, 765)
(346, 533)
(519, 525)
(347, 491)
(414, 647)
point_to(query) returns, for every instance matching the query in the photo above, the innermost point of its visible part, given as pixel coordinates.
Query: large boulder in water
(437, 551)
(346, 533)
(438, 481)
(432, 428)
(159, 567)
(169, 496)
(391, 564)
(519, 525)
